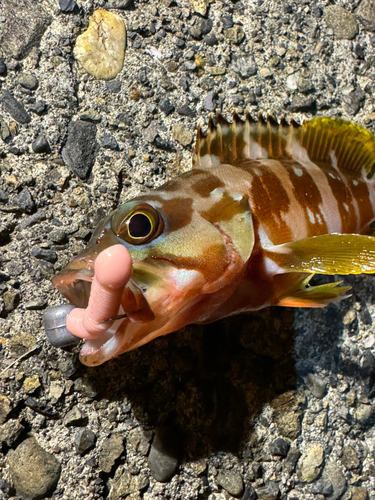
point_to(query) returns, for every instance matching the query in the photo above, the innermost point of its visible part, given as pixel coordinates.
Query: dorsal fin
(329, 141)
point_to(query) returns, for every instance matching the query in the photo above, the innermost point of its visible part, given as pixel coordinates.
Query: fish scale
(265, 207)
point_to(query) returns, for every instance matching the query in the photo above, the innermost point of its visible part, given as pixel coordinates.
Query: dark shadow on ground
(208, 382)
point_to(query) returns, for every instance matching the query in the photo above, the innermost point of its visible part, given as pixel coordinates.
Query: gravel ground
(273, 405)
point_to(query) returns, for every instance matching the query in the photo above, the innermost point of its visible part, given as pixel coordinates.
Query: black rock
(84, 440)
(279, 447)
(3, 67)
(40, 145)
(3, 196)
(38, 107)
(14, 151)
(113, 86)
(354, 101)
(118, 4)
(210, 40)
(24, 201)
(249, 493)
(14, 108)
(109, 142)
(44, 254)
(302, 104)
(184, 110)
(80, 148)
(164, 455)
(211, 100)
(184, 83)
(166, 106)
(68, 6)
(201, 27)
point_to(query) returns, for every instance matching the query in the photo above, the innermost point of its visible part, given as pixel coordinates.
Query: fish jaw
(171, 303)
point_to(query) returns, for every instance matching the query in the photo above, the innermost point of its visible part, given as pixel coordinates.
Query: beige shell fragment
(101, 48)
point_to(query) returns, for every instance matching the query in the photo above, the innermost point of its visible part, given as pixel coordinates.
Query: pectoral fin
(326, 254)
(314, 296)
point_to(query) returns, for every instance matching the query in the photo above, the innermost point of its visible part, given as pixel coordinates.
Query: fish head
(180, 257)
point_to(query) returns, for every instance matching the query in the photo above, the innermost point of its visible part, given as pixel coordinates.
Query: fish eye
(141, 225)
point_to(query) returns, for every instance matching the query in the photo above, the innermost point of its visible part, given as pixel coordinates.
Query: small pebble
(44, 254)
(114, 86)
(185, 110)
(24, 201)
(84, 440)
(341, 21)
(231, 481)
(40, 145)
(112, 449)
(68, 6)
(12, 106)
(279, 447)
(109, 142)
(28, 81)
(75, 417)
(3, 196)
(165, 106)
(163, 458)
(3, 67)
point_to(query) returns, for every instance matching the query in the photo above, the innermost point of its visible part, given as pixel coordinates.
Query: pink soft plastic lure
(265, 207)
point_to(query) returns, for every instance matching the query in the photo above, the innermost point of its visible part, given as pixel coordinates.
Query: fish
(266, 206)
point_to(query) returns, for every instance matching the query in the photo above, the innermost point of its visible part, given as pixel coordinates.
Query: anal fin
(314, 296)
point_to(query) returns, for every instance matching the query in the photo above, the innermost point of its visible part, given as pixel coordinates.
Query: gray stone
(24, 201)
(166, 106)
(349, 458)
(40, 145)
(44, 254)
(28, 81)
(322, 487)
(207, 83)
(291, 460)
(39, 107)
(80, 148)
(316, 385)
(109, 142)
(151, 132)
(245, 66)
(68, 6)
(84, 440)
(14, 108)
(10, 432)
(118, 4)
(301, 104)
(231, 481)
(201, 27)
(235, 35)
(333, 474)
(113, 86)
(3, 66)
(4, 131)
(125, 485)
(365, 12)
(90, 115)
(35, 304)
(342, 22)
(25, 24)
(352, 104)
(112, 449)
(311, 463)
(364, 414)
(279, 447)
(3, 196)
(210, 40)
(58, 236)
(184, 110)
(75, 417)
(163, 458)
(5, 408)
(211, 101)
(268, 492)
(34, 471)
